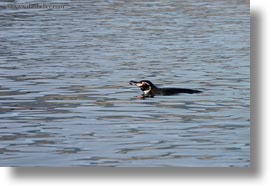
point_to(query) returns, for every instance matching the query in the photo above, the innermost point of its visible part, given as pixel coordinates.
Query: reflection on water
(65, 98)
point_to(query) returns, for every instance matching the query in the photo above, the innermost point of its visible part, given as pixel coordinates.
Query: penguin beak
(138, 84)
(133, 82)
(143, 85)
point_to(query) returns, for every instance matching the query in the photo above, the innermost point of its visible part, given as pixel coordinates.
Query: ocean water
(65, 98)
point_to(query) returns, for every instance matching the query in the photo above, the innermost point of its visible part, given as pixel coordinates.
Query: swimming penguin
(150, 90)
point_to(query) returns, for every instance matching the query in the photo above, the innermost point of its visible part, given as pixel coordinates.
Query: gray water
(65, 98)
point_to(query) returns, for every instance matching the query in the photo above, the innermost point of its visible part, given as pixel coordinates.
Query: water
(65, 98)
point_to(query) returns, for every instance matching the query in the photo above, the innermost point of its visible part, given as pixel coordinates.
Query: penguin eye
(139, 84)
(145, 83)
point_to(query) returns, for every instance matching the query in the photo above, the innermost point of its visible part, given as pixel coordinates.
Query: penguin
(150, 90)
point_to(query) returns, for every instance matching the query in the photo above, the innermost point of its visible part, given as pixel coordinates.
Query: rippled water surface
(65, 98)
